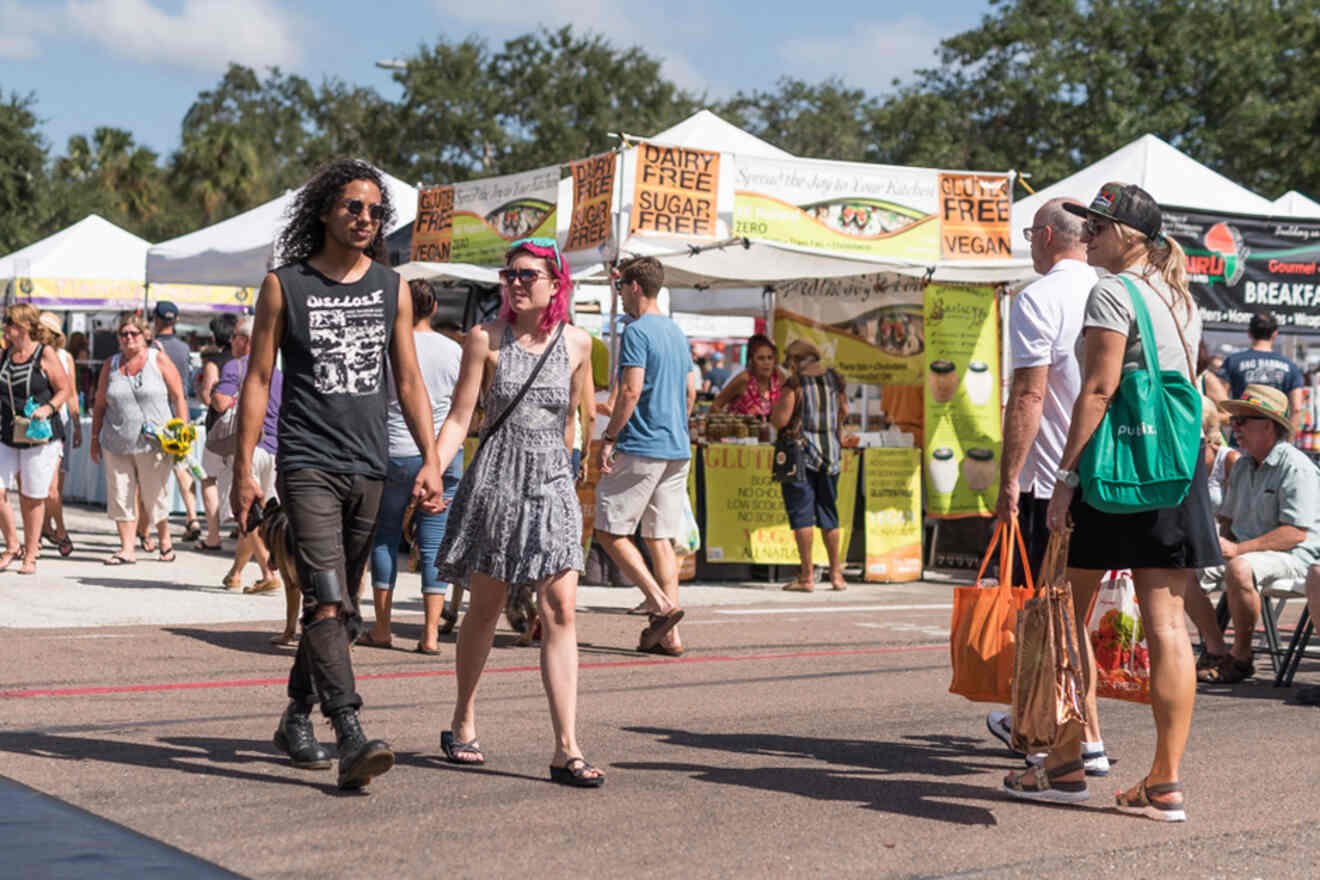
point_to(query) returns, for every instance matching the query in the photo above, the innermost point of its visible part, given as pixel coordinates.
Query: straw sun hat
(1261, 401)
(51, 322)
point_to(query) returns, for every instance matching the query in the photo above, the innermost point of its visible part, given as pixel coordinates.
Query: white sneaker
(1095, 763)
(1001, 728)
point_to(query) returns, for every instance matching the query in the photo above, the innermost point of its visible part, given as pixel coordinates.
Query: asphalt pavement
(803, 734)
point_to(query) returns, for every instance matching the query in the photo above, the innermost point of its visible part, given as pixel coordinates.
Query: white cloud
(20, 30)
(869, 56)
(202, 35)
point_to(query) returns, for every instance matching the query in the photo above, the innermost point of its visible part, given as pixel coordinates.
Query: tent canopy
(1294, 204)
(704, 130)
(240, 251)
(1168, 174)
(91, 264)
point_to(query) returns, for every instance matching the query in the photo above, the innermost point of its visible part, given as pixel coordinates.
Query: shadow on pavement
(132, 580)
(236, 640)
(861, 777)
(200, 756)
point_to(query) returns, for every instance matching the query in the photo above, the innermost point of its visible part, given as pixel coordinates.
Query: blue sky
(139, 64)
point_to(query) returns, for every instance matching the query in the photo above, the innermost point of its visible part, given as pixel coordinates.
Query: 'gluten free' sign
(433, 230)
(676, 192)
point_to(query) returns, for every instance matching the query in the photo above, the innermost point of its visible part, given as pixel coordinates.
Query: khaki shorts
(645, 490)
(263, 471)
(127, 475)
(213, 465)
(1267, 565)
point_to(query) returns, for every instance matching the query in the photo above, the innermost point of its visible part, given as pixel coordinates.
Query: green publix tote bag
(1142, 455)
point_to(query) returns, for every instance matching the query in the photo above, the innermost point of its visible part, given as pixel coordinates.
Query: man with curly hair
(333, 313)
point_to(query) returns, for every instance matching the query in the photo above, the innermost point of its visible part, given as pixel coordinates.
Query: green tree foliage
(113, 176)
(22, 172)
(543, 98)
(1049, 86)
(828, 120)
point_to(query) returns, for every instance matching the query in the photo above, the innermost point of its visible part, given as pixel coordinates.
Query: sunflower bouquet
(176, 439)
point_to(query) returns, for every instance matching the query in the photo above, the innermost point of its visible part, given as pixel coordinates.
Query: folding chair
(1272, 601)
(1292, 656)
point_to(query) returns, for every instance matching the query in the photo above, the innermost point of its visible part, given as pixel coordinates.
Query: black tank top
(23, 381)
(336, 337)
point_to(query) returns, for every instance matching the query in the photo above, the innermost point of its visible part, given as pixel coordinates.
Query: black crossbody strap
(517, 398)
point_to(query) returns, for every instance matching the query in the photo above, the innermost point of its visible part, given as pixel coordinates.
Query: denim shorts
(813, 501)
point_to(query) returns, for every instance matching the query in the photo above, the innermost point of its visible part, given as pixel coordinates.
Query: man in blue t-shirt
(1259, 365)
(644, 452)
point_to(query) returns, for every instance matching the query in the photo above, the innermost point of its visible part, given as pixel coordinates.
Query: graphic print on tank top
(348, 341)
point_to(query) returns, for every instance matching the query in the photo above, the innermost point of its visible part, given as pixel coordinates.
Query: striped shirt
(820, 420)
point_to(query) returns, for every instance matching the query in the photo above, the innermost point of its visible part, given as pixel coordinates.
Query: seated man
(1270, 529)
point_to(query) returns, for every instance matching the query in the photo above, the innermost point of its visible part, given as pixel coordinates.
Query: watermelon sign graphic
(1238, 265)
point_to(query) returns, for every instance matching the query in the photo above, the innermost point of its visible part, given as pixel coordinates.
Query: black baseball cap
(166, 310)
(1124, 203)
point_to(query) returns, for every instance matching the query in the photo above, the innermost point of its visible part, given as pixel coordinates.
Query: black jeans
(333, 520)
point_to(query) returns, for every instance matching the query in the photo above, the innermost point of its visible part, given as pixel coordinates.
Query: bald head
(1058, 235)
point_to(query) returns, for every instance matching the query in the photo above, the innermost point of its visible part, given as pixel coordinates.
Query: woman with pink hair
(515, 518)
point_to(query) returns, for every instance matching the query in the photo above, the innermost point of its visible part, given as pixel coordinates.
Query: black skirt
(1173, 537)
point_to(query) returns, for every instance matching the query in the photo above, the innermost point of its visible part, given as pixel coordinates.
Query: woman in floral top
(753, 392)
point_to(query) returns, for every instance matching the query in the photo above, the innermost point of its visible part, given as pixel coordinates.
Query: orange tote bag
(984, 626)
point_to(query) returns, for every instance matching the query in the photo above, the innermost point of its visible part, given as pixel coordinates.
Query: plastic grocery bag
(984, 624)
(689, 540)
(1122, 662)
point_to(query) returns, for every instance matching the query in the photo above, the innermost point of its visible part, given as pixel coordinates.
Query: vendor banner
(867, 327)
(892, 489)
(675, 192)
(204, 297)
(78, 293)
(745, 516)
(1238, 265)
(433, 230)
(593, 190)
(854, 209)
(962, 400)
(491, 213)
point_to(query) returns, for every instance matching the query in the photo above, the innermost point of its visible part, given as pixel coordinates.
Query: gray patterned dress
(516, 516)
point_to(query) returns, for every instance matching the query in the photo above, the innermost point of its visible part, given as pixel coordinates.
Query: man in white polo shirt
(1044, 323)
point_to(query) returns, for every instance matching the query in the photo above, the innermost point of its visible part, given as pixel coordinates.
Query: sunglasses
(526, 276)
(1095, 228)
(1029, 231)
(10, 322)
(129, 334)
(1239, 421)
(376, 212)
(620, 284)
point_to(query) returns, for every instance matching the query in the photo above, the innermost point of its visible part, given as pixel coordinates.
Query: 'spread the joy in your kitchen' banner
(848, 208)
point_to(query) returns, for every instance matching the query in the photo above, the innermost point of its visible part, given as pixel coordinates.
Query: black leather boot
(297, 738)
(360, 760)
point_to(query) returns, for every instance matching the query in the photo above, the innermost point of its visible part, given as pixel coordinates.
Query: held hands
(1056, 515)
(429, 489)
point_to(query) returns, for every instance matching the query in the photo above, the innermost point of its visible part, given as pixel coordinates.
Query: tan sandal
(1047, 787)
(799, 587)
(1142, 805)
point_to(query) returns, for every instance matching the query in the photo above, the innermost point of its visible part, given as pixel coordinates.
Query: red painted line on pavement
(434, 673)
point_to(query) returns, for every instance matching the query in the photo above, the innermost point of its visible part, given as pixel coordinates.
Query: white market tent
(92, 264)
(1294, 204)
(239, 251)
(1168, 174)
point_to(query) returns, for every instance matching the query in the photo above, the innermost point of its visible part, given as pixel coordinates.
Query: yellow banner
(962, 400)
(205, 297)
(856, 359)
(79, 294)
(745, 516)
(892, 480)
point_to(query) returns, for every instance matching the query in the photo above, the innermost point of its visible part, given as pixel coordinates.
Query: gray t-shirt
(1109, 307)
(178, 352)
(439, 358)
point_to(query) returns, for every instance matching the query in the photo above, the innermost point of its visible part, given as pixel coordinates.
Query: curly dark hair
(305, 233)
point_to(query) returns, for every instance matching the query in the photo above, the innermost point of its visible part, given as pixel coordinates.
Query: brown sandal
(1231, 671)
(1160, 811)
(1048, 787)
